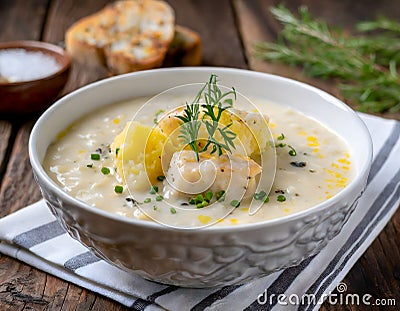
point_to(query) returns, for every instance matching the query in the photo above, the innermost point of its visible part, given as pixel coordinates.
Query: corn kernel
(204, 219)
(343, 161)
(233, 221)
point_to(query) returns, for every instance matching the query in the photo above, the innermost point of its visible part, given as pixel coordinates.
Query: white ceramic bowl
(212, 256)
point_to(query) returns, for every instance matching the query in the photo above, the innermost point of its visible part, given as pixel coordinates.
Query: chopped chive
(105, 170)
(172, 210)
(153, 189)
(199, 198)
(266, 200)
(157, 114)
(235, 203)
(260, 196)
(118, 189)
(147, 200)
(281, 137)
(159, 198)
(117, 150)
(160, 178)
(208, 196)
(89, 165)
(202, 204)
(154, 207)
(220, 195)
(292, 152)
(281, 198)
(95, 156)
(281, 145)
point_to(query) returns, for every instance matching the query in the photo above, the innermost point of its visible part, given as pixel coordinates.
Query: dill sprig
(365, 66)
(190, 127)
(216, 103)
(213, 103)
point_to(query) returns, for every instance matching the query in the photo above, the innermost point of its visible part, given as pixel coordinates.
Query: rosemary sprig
(215, 104)
(364, 66)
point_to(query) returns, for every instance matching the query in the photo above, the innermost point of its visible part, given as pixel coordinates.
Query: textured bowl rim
(41, 174)
(40, 46)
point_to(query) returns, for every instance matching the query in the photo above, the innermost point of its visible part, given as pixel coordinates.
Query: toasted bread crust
(125, 36)
(78, 42)
(185, 48)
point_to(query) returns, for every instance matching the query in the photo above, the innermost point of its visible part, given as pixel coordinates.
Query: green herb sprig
(190, 127)
(215, 104)
(365, 66)
(213, 109)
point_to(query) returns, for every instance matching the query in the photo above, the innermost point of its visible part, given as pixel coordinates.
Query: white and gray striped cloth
(32, 235)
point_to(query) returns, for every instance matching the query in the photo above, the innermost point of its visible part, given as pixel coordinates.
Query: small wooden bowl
(35, 95)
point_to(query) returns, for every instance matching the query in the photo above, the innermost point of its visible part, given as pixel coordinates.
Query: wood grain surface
(228, 30)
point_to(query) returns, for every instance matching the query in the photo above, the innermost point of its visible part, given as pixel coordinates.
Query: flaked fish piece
(235, 174)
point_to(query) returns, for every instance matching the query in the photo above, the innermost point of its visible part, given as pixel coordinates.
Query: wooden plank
(378, 271)
(63, 14)
(5, 133)
(18, 187)
(22, 20)
(21, 286)
(107, 304)
(216, 25)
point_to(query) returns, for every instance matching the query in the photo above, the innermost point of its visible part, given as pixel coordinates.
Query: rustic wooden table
(228, 30)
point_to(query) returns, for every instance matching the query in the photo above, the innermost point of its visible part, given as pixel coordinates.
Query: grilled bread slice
(125, 36)
(185, 48)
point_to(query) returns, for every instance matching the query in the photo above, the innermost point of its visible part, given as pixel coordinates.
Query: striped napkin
(32, 235)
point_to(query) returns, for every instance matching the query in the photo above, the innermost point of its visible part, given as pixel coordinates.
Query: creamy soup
(313, 164)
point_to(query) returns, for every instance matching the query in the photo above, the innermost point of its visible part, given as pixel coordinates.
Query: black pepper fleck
(131, 200)
(298, 164)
